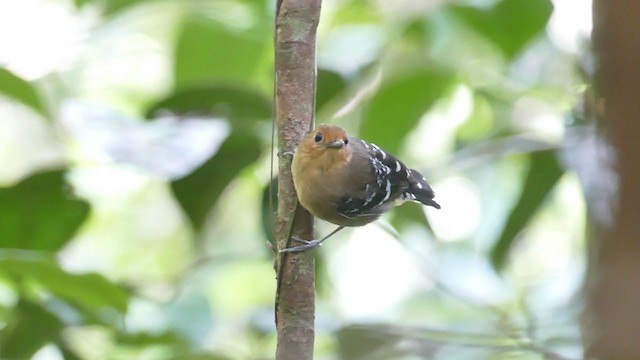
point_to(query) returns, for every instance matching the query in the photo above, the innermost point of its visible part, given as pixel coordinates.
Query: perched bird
(350, 182)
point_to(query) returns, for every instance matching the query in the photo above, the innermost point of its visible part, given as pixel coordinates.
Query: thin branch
(295, 65)
(611, 323)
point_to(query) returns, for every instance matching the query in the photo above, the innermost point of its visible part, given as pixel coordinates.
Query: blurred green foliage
(510, 24)
(238, 151)
(38, 214)
(402, 102)
(14, 87)
(106, 257)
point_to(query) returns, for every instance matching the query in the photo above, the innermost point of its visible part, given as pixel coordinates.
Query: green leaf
(239, 105)
(510, 24)
(18, 89)
(544, 172)
(39, 213)
(211, 52)
(91, 292)
(399, 104)
(30, 328)
(200, 190)
(330, 84)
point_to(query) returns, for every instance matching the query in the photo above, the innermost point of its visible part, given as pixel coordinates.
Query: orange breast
(322, 183)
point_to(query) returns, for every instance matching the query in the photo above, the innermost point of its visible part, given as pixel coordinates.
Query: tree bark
(612, 319)
(295, 65)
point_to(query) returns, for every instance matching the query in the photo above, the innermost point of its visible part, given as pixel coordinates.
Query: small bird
(350, 182)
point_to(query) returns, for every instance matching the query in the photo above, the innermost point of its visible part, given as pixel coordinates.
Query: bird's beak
(338, 144)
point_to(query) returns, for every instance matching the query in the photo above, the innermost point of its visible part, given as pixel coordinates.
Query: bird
(350, 182)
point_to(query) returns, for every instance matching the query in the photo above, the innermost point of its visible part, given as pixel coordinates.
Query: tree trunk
(612, 319)
(295, 63)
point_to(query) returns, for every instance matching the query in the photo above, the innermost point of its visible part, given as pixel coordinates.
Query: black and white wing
(387, 183)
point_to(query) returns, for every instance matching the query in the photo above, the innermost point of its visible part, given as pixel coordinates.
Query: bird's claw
(288, 154)
(308, 245)
(293, 237)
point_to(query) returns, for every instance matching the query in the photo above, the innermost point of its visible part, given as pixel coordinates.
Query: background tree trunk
(612, 321)
(296, 24)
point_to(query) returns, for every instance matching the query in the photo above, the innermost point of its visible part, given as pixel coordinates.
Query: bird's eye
(346, 141)
(318, 137)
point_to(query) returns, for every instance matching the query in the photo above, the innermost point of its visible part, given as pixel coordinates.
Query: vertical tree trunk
(612, 320)
(295, 62)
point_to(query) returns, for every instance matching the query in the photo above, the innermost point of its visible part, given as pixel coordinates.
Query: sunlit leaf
(399, 104)
(200, 190)
(210, 52)
(238, 105)
(330, 84)
(30, 328)
(18, 89)
(40, 213)
(510, 24)
(544, 172)
(90, 292)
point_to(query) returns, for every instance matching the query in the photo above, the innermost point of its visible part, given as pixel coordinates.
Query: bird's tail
(426, 198)
(421, 189)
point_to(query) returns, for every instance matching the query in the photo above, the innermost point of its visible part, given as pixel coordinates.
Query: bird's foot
(308, 245)
(287, 154)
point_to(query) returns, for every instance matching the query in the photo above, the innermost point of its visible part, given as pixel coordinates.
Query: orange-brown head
(324, 148)
(325, 139)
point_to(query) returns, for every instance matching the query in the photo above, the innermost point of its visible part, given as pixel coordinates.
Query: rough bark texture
(296, 24)
(612, 320)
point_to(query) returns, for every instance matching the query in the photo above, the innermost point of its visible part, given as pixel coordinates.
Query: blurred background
(135, 142)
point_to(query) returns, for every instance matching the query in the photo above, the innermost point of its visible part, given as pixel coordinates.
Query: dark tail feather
(421, 189)
(426, 196)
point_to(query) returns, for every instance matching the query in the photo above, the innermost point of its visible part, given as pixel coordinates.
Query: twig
(295, 90)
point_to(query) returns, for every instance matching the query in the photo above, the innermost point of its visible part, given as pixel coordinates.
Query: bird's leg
(287, 154)
(310, 244)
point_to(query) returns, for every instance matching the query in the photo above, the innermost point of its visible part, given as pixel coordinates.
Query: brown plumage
(350, 182)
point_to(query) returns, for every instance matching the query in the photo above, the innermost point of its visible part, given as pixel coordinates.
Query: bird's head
(328, 137)
(326, 140)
